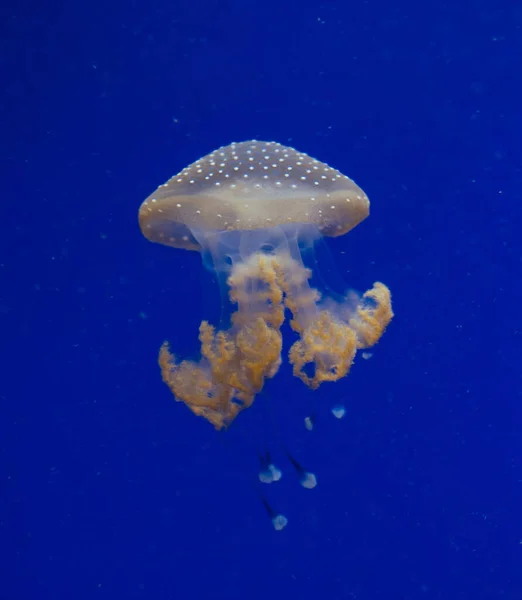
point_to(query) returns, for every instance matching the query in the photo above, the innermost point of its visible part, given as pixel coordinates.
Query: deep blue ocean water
(111, 490)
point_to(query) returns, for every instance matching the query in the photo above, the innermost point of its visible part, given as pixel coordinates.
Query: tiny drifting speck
(270, 474)
(308, 480)
(338, 411)
(279, 522)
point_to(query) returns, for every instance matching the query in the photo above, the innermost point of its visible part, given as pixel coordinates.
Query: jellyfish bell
(250, 209)
(248, 187)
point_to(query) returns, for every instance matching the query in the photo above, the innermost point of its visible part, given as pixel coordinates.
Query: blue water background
(109, 489)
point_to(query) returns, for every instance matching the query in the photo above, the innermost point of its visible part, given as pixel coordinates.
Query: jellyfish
(250, 209)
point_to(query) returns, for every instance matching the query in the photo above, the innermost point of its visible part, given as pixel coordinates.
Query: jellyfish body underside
(267, 281)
